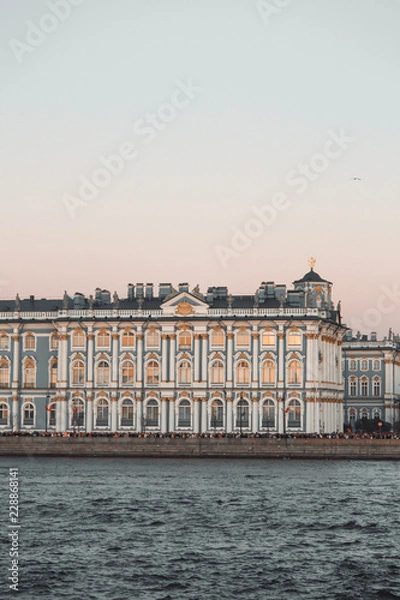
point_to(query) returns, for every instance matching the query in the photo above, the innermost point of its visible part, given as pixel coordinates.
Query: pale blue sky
(270, 94)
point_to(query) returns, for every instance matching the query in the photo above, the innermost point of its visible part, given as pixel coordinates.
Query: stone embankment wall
(355, 449)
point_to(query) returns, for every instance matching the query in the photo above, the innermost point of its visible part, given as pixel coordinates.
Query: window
(52, 414)
(54, 341)
(184, 416)
(78, 372)
(364, 413)
(103, 339)
(364, 365)
(3, 413)
(217, 372)
(29, 373)
(377, 386)
(217, 338)
(352, 416)
(153, 372)
(217, 414)
(103, 373)
(376, 364)
(268, 371)
(28, 414)
(152, 413)
(352, 365)
(4, 341)
(242, 413)
(294, 338)
(4, 373)
(78, 413)
(127, 372)
(353, 386)
(127, 413)
(242, 338)
(78, 338)
(29, 342)
(128, 339)
(242, 372)
(102, 412)
(53, 373)
(364, 386)
(184, 372)
(268, 338)
(294, 412)
(185, 340)
(268, 413)
(153, 338)
(377, 413)
(294, 371)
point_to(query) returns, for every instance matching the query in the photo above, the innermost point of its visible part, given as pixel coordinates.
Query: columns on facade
(229, 414)
(255, 415)
(196, 357)
(139, 414)
(63, 413)
(255, 361)
(281, 358)
(229, 357)
(139, 366)
(114, 359)
(16, 359)
(204, 356)
(172, 350)
(164, 415)
(89, 412)
(196, 415)
(164, 358)
(204, 415)
(171, 414)
(15, 412)
(90, 356)
(114, 412)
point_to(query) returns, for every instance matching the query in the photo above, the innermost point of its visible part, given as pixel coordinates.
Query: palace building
(174, 361)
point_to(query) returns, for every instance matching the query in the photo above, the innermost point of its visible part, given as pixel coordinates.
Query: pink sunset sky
(219, 142)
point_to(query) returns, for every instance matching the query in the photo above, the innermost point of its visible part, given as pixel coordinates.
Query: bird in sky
(355, 179)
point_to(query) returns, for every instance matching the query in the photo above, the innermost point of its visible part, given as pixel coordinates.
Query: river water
(163, 529)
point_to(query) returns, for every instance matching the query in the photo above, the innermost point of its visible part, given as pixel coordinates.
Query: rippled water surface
(202, 529)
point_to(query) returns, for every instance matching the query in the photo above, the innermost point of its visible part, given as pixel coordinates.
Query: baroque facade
(176, 361)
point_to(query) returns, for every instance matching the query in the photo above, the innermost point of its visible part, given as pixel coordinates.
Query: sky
(218, 142)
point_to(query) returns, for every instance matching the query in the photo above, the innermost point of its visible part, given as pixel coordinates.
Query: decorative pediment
(184, 304)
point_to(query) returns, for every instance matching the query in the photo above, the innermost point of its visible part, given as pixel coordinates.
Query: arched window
(242, 337)
(364, 413)
(364, 365)
(78, 338)
(364, 386)
(353, 386)
(294, 413)
(127, 372)
(217, 372)
(4, 373)
(28, 414)
(52, 414)
(103, 339)
(294, 371)
(127, 413)
(184, 414)
(53, 373)
(153, 372)
(217, 414)
(352, 365)
(184, 372)
(377, 413)
(376, 364)
(29, 373)
(294, 338)
(3, 413)
(242, 372)
(29, 342)
(102, 412)
(268, 413)
(268, 371)
(242, 413)
(78, 372)
(153, 338)
(4, 341)
(377, 386)
(78, 413)
(185, 340)
(152, 413)
(352, 417)
(103, 373)
(128, 339)
(268, 338)
(54, 341)
(217, 338)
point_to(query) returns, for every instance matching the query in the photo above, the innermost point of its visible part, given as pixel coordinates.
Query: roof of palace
(312, 277)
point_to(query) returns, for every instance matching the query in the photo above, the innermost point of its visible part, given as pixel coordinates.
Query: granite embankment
(325, 448)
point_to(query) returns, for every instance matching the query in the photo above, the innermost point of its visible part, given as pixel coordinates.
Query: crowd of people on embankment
(188, 435)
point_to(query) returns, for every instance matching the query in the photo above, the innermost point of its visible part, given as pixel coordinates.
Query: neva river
(169, 529)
